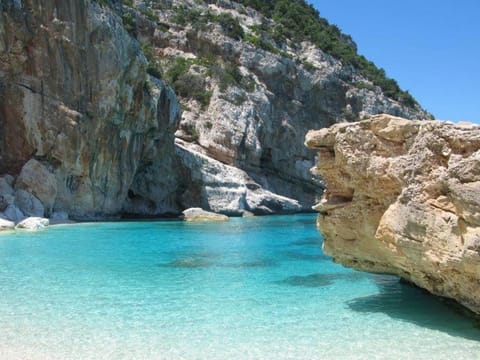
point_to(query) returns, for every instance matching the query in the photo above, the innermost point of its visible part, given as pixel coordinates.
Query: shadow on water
(406, 302)
(297, 255)
(319, 279)
(188, 263)
(309, 241)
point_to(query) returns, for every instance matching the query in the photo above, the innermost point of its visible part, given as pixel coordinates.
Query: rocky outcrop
(200, 215)
(83, 125)
(249, 106)
(226, 189)
(403, 197)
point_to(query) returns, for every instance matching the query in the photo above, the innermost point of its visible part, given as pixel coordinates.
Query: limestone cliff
(403, 197)
(82, 123)
(249, 96)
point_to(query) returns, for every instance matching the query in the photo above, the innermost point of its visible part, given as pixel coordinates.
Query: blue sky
(432, 48)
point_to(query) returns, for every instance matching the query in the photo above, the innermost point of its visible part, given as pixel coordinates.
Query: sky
(431, 47)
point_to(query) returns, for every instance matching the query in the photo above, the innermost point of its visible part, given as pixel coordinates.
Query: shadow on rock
(406, 302)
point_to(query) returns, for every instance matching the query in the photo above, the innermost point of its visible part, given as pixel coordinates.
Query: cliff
(403, 197)
(90, 126)
(255, 86)
(79, 112)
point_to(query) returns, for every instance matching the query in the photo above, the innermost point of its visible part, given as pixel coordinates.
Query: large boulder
(13, 213)
(403, 197)
(38, 180)
(28, 203)
(33, 223)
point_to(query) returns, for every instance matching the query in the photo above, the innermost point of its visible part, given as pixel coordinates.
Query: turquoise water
(256, 288)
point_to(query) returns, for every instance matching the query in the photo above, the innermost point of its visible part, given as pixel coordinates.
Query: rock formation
(403, 197)
(88, 122)
(83, 125)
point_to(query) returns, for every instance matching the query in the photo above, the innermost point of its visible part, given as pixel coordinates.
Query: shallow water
(255, 288)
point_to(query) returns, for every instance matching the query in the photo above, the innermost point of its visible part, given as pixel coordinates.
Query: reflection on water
(406, 302)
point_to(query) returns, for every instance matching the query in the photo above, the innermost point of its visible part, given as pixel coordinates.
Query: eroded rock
(403, 197)
(226, 189)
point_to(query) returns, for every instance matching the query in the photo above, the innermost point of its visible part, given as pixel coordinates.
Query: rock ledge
(403, 197)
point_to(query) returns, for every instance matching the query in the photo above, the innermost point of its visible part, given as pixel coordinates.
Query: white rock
(226, 189)
(33, 223)
(6, 225)
(199, 215)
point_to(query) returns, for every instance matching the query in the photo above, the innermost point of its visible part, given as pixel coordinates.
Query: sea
(250, 288)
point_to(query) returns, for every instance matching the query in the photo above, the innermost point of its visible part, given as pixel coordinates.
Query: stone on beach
(6, 224)
(33, 223)
(199, 215)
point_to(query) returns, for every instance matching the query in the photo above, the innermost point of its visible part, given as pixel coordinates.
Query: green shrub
(191, 130)
(188, 85)
(230, 26)
(150, 15)
(228, 74)
(129, 22)
(102, 2)
(153, 66)
(261, 44)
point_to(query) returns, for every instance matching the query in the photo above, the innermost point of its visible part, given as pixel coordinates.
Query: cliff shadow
(403, 301)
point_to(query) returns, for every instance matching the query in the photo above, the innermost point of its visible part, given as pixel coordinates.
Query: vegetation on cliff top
(285, 22)
(298, 21)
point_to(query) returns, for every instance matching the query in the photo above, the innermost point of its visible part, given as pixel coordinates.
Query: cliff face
(89, 127)
(77, 105)
(260, 100)
(403, 197)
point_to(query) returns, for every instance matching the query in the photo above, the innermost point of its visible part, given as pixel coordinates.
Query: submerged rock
(198, 215)
(33, 223)
(403, 197)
